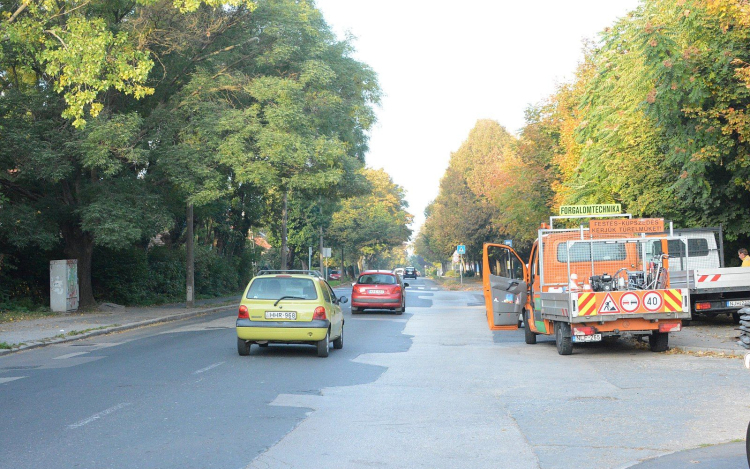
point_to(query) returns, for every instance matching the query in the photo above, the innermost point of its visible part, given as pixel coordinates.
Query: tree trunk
(283, 231)
(190, 268)
(80, 246)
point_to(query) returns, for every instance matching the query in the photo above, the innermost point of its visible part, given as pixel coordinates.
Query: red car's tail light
(397, 289)
(244, 313)
(319, 313)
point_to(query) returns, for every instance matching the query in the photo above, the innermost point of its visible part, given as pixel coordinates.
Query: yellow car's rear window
(273, 288)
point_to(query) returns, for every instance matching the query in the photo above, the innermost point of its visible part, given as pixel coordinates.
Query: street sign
(461, 249)
(508, 242)
(627, 226)
(597, 209)
(455, 257)
(326, 252)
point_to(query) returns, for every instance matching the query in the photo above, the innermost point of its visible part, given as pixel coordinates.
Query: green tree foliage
(375, 223)
(662, 126)
(231, 108)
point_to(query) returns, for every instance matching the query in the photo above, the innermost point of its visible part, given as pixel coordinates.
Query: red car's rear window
(377, 279)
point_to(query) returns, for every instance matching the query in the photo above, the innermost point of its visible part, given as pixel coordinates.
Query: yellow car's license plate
(286, 315)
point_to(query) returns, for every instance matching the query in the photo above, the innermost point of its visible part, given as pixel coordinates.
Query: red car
(379, 290)
(334, 275)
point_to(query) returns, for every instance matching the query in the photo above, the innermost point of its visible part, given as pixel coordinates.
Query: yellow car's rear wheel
(243, 348)
(338, 344)
(323, 345)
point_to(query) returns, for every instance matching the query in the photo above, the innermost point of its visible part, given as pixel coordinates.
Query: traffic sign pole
(461, 268)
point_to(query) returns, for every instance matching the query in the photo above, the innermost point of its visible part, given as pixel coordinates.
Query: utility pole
(190, 280)
(321, 248)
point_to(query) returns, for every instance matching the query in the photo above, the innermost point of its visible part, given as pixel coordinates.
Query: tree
(374, 223)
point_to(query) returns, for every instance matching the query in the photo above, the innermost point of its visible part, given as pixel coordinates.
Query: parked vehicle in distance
(399, 271)
(697, 263)
(334, 275)
(378, 290)
(410, 272)
(290, 308)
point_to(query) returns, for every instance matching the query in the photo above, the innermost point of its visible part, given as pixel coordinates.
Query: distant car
(379, 290)
(410, 272)
(399, 271)
(290, 308)
(334, 275)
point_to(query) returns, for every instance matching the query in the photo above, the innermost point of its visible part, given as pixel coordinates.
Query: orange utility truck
(587, 283)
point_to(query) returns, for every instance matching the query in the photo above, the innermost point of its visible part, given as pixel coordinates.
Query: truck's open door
(504, 279)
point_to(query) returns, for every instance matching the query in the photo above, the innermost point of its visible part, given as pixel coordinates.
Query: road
(430, 388)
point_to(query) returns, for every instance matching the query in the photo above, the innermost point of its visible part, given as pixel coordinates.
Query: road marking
(8, 380)
(209, 367)
(70, 355)
(396, 319)
(101, 414)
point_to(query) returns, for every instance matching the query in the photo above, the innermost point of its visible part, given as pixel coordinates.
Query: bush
(137, 276)
(452, 274)
(216, 275)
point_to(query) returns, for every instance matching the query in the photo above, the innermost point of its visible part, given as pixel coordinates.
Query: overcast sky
(444, 65)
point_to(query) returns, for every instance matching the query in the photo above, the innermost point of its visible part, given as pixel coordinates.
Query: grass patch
(454, 284)
(23, 314)
(5, 346)
(85, 331)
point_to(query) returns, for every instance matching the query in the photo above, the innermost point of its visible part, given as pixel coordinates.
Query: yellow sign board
(598, 209)
(626, 226)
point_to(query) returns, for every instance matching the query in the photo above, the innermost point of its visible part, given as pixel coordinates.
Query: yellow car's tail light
(319, 313)
(244, 313)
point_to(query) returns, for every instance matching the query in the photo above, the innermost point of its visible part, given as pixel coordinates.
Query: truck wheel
(747, 444)
(562, 338)
(736, 317)
(659, 341)
(528, 335)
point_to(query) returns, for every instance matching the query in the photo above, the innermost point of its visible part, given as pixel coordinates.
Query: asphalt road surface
(430, 388)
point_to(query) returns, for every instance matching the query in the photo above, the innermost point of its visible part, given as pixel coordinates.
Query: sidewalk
(715, 337)
(65, 327)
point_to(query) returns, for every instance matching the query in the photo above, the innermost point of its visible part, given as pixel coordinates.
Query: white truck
(696, 262)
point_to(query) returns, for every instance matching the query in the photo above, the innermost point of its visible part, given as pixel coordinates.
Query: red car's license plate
(376, 292)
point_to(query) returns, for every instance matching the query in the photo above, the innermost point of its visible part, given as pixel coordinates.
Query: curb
(112, 329)
(718, 351)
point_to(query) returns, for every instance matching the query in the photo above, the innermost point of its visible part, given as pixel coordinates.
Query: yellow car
(290, 308)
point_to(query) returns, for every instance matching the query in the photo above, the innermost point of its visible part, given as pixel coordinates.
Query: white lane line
(8, 380)
(379, 319)
(70, 355)
(101, 414)
(209, 367)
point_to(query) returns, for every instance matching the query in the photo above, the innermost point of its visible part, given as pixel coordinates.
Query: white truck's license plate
(288, 315)
(588, 338)
(738, 303)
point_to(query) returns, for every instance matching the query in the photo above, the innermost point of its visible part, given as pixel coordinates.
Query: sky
(442, 69)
